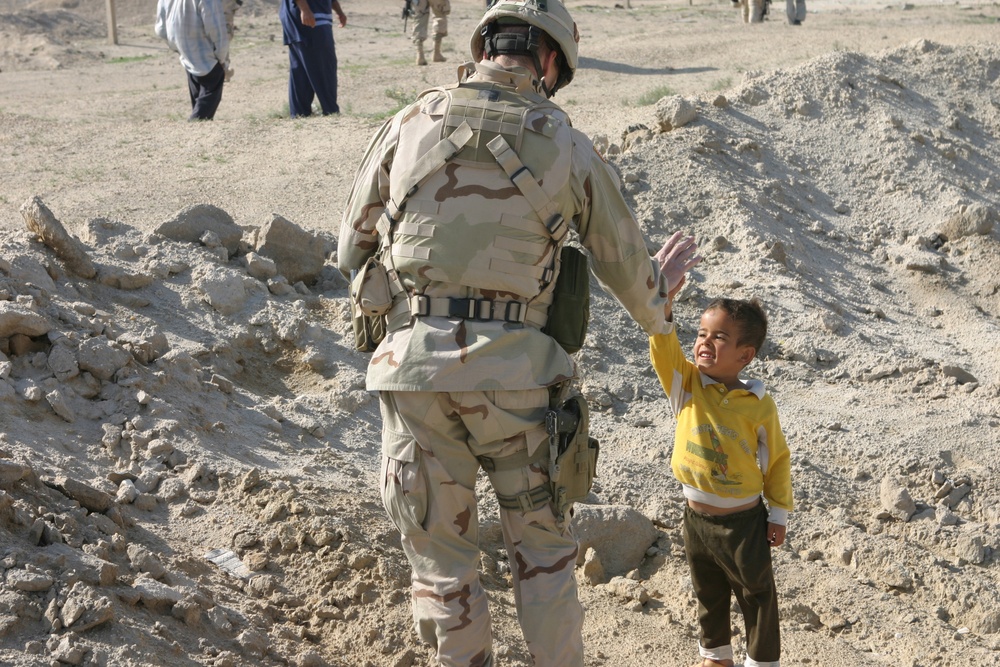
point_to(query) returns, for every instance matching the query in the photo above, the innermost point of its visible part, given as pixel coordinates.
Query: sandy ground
(844, 170)
(99, 134)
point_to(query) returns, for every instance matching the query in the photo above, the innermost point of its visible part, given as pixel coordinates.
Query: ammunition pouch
(569, 313)
(368, 330)
(371, 299)
(370, 288)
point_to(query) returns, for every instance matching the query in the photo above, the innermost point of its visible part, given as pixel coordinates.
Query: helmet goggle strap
(517, 44)
(540, 5)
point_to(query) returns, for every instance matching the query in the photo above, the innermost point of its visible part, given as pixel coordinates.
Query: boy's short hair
(749, 316)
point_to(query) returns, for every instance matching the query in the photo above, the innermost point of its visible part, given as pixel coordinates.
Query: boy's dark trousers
(730, 555)
(206, 92)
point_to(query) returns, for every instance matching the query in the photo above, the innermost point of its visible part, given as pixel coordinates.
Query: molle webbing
(429, 163)
(418, 305)
(469, 309)
(513, 249)
(522, 177)
(488, 115)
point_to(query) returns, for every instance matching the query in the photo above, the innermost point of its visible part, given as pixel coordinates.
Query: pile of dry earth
(858, 197)
(189, 457)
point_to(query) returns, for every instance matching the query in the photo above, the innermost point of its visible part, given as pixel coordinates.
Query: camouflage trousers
(795, 10)
(229, 8)
(424, 9)
(430, 441)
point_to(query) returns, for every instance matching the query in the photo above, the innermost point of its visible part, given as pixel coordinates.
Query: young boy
(728, 451)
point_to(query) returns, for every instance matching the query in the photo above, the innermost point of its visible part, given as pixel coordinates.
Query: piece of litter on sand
(229, 562)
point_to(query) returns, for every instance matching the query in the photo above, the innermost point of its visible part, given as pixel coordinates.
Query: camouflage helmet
(549, 16)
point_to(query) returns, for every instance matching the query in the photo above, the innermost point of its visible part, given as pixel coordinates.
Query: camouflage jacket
(453, 354)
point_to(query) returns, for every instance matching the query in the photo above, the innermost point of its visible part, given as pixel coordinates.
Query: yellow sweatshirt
(728, 446)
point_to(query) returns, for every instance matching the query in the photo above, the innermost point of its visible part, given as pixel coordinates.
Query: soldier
(422, 10)
(796, 11)
(459, 209)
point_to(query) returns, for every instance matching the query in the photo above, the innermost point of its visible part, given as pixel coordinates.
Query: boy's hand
(676, 258)
(775, 534)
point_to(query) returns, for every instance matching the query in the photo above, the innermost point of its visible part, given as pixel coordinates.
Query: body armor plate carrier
(479, 236)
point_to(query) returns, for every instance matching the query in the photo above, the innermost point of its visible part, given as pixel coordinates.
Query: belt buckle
(465, 309)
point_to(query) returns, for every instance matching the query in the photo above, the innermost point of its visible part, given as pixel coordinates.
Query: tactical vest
(476, 234)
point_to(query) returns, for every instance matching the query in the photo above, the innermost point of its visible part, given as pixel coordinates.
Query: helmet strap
(517, 44)
(549, 92)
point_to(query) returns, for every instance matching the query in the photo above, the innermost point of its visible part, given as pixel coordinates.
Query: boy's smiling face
(717, 351)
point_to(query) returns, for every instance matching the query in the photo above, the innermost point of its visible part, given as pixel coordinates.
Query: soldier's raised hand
(676, 258)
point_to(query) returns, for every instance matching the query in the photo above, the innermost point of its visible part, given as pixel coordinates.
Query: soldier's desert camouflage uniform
(422, 11)
(453, 389)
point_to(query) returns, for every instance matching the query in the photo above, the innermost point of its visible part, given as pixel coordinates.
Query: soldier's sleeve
(609, 230)
(358, 238)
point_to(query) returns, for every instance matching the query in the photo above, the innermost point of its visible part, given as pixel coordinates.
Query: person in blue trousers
(307, 26)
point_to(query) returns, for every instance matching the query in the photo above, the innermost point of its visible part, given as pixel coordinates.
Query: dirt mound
(44, 34)
(44, 40)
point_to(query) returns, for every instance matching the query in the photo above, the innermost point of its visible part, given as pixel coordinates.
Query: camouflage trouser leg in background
(430, 441)
(795, 10)
(425, 8)
(229, 8)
